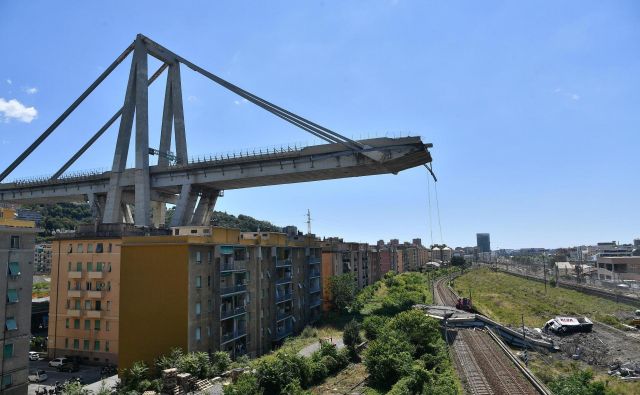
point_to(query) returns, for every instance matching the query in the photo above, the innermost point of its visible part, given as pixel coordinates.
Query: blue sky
(532, 107)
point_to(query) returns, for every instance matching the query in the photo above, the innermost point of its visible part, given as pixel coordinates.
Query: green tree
(578, 383)
(373, 326)
(421, 331)
(388, 358)
(343, 290)
(457, 261)
(220, 361)
(275, 371)
(74, 388)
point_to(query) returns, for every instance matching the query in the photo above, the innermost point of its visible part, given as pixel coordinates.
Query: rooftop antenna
(308, 221)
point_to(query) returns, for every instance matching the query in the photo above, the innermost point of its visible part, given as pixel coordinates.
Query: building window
(66, 343)
(8, 350)
(97, 325)
(7, 380)
(89, 266)
(14, 269)
(70, 249)
(79, 267)
(108, 327)
(90, 248)
(96, 345)
(76, 344)
(109, 267)
(208, 330)
(66, 323)
(99, 266)
(12, 296)
(110, 249)
(198, 282)
(198, 308)
(198, 334)
(209, 257)
(99, 248)
(76, 324)
(15, 242)
(209, 306)
(77, 305)
(198, 257)
(208, 281)
(11, 324)
(87, 325)
(98, 305)
(80, 248)
(85, 345)
(106, 346)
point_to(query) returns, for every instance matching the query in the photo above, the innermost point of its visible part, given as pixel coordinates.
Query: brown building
(209, 289)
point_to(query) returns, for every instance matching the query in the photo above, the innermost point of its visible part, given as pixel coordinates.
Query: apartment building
(85, 296)
(17, 240)
(339, 257)
(209, 289)
(42, 258)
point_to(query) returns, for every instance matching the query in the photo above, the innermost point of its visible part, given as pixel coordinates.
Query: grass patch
(505, 298)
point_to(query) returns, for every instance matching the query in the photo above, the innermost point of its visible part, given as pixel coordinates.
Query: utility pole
(308, 221)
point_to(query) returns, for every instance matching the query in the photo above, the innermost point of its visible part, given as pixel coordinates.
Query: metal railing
(224, 314)
(315, 288)
(281, 315)
(283, 262)
(315, 303)
(283, 297)
(314, 273)
(286, 279)
(282, 333)
(233, 289)
(233, 266)
(227, 337)
(314, 260)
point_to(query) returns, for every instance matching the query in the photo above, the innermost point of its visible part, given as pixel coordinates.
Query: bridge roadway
(319, 162)
(483, 366)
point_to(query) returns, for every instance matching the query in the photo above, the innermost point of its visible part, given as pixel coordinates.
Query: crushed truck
(567, 325)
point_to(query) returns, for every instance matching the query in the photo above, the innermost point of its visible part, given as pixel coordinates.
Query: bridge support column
(202, 215)
(159, 212)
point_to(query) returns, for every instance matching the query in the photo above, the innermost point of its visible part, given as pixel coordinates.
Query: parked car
(54, 363)
(34, 356)
(69, 366)
(37, 376)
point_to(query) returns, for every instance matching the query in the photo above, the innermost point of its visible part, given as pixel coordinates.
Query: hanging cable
(435, 188)
(430, 216)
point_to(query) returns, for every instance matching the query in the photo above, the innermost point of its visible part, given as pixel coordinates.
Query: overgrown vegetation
(40, 289)
(243, 222)
(140, 377)
(343, 290)
(505, 297)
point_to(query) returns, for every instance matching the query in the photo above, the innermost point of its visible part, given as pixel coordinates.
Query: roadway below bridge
(482, 361)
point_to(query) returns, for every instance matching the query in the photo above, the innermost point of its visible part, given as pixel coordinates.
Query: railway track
(482, 364)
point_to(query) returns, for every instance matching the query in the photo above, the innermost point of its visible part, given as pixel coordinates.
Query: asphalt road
(89, 374)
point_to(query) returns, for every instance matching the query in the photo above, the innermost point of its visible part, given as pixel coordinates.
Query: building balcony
(93, 313)
(74, 293)
(314, 289)
(236, 266)
(73, 313)
(283, 262)
(314, 274)
(233, 289)
(95, 294)
(226, 314)
(95, 275)
(281, 315)
(313, 260)
(74, 274)
(315, 303)
(283, 297)
(285, 280)
(230, 336)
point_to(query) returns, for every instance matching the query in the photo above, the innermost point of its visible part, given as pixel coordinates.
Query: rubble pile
(626, 371)
(587, 347)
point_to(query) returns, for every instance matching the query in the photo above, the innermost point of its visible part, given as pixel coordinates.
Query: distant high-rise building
(636, 242)
(484, 242)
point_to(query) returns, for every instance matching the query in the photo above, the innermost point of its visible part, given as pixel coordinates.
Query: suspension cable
(435, 187)
(430, 215)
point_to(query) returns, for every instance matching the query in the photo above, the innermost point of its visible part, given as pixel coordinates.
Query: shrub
(578, 383)
(220, 362)
(309, 332)
(388, 358)
(351, 335)
(274, 372)
(421, 331)
(245, 384)
(373, 326)
(197, 364)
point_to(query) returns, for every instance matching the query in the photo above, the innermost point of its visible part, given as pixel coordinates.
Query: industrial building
(17, 240)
